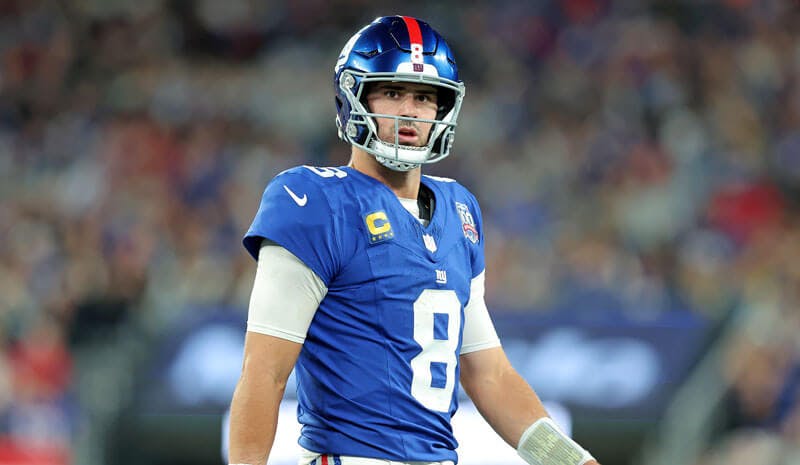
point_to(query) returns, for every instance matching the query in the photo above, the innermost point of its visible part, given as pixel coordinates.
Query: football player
(370, 282)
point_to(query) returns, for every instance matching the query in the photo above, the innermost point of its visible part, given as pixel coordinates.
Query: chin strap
(396, 165)
(387, 155)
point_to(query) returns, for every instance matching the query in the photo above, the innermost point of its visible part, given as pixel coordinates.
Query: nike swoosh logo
(301, 201)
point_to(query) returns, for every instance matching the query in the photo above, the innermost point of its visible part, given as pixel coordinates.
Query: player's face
(403, 99)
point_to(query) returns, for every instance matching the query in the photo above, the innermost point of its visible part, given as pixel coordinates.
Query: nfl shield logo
(430, 244)
(467, 223)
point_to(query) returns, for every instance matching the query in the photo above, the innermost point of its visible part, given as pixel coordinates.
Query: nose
(408, 107)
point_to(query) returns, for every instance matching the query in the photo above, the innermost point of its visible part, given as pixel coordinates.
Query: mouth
(406, 134)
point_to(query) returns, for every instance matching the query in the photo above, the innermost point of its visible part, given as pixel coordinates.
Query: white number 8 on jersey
(437, 319)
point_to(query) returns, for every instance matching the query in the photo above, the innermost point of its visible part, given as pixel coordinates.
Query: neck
(404, 184)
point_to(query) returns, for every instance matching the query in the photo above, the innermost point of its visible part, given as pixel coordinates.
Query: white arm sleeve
(285, 296)
(479, 332)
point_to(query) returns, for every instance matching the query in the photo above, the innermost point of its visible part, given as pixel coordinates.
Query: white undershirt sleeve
(479, 332)
(286, 294)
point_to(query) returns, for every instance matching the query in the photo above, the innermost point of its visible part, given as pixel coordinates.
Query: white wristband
(543, 443)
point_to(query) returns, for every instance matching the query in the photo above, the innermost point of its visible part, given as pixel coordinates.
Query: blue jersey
(378, 372)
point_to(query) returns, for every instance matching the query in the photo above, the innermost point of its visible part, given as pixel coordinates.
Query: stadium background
(638, 164)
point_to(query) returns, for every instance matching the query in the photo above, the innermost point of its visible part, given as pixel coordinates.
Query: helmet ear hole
(447, 99)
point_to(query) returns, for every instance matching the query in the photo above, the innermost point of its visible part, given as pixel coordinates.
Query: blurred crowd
(630, 157)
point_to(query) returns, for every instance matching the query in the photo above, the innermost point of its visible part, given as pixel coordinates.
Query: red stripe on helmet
(414, 34)
(324, 459)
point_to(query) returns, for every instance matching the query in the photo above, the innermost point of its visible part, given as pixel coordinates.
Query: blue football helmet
(396, 49)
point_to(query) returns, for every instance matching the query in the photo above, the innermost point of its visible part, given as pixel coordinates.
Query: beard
(420, 139)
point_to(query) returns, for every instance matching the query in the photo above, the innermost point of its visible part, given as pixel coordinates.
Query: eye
(390, 93)
(426, 98)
